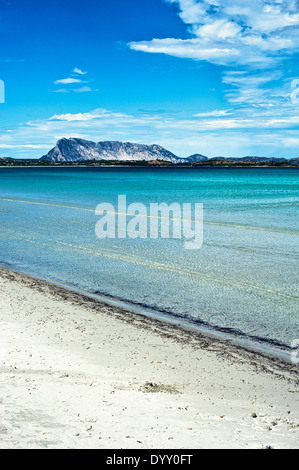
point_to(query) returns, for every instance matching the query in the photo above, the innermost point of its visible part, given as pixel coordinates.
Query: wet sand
(77, 373)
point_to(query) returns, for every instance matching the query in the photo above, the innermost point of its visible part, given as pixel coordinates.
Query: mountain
(197, 157)
(67, 150)
(263, 159)
(80, 150)
(251, 159)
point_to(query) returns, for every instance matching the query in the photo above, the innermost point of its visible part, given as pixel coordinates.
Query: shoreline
(269, 348)
(150, 166)
(72, 363)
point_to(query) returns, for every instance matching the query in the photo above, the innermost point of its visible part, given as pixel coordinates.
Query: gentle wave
(174, 269)
(220, 224)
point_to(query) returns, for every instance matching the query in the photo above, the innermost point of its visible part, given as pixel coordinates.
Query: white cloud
(215, 113)
(61, 90)
(258, 89)
(68, 81)
(219, 132)
(72, 117)
(219, 29)
(22, 146)
(291, 142)
(83, 89)
(79, 71)
(229, 32)
(95, 114)
(191, 11)
(189, 49)
(73, 81)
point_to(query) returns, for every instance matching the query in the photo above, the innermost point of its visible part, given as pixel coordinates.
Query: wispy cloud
(71, 83)
(95, 114)
(257, 89)
(214, 133)
(232, 32)
(215, 113)
(22, 146)
(252, 43)
(67, 81)
(78, 71)
(83, 89)
(61, 90)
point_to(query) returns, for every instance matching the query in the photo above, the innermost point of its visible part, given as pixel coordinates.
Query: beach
(77, 373)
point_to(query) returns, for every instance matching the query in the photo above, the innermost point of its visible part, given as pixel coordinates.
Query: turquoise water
(244, 279)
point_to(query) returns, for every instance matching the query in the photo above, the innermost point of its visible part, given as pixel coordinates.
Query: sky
(215, 77)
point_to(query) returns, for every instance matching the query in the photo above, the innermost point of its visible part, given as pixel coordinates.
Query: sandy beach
(79, 374)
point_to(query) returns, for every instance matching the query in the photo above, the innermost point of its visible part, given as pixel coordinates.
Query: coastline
(79, 373)
(255, 344)
(151, 166)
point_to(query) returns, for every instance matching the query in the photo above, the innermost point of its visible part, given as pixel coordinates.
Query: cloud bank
(258, 33)
(213, 134)
(256, 46)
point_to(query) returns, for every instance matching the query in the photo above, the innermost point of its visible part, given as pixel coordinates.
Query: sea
(241, 282)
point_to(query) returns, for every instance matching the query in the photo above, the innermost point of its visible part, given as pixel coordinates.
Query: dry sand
(78, 374)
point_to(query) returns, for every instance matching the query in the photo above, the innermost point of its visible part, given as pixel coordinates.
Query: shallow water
(243, 279)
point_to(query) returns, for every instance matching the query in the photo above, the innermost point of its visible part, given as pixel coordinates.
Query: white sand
(73, 375)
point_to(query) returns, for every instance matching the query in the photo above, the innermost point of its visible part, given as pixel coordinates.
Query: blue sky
(216, 77)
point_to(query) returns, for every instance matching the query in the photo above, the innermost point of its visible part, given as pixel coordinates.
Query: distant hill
(72, 149)
(252, 159)
(80, 150)
(197, 157)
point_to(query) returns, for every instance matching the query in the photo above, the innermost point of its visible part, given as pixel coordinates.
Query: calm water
(244, 278)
